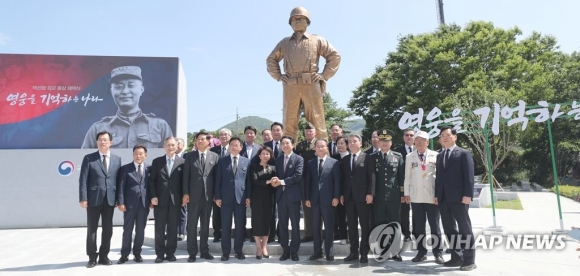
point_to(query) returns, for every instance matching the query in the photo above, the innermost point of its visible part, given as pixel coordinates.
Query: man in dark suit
(453, 193)
(133, 200)
(374, 143)
(408, 137)
(306, 150)
(322, 194)
(166, 191)
(250, 150)
(232, 195)
(289, 169)
(276, 131)
(335, 132)
(358, 189)
(198, 191)
(97, 194)
(222, 150)
(249, 147)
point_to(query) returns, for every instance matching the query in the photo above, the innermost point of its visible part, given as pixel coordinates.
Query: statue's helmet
(299, 11)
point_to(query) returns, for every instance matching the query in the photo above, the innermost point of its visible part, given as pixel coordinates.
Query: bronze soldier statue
(301, 81)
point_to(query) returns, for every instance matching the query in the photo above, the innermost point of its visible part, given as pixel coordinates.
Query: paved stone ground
(60, 251)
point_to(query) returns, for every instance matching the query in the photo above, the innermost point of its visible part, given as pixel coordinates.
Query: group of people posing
(338, 186)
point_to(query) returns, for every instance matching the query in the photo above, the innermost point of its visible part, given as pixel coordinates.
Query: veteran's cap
(57, 62)
(386, 135)
(125, 72)
(422, 134)
(309, 126)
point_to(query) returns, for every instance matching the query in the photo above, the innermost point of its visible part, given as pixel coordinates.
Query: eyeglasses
(409, 135)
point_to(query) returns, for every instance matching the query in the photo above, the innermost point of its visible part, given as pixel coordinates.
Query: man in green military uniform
(129, 126)
(306, 149)
(389, 190)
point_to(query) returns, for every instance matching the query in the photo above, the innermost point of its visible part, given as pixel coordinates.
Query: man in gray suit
(133, 202)
(97, 188)
(198, 190)
(166, 191)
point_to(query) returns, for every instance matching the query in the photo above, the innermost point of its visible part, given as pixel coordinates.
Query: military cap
(55, 62)
(13, 60)
(309, 126)
(386, 135)
(125, 72)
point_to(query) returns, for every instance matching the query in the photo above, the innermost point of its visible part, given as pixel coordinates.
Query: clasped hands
(275, 182)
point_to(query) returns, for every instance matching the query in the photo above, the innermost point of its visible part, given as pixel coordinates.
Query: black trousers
(340, 229)
(274, 226)
(405, 223)
(237, 210)
(216, 221)
(423, 212)
(94, 213)
(358, 212)
(461, 241)
(198, 211)
(166, 217)
(327, 214)
(134, 218)
(289, 210)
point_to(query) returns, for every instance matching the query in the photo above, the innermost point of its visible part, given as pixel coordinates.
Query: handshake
(275, 181)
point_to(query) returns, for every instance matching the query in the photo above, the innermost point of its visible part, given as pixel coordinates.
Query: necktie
(276, 150)
(202, 161)
(446, 158)
(105, 165)
(352, 162)
(140, 172)
(385, 156)
(223, 151)
(308, 146)
(410, 149)
(285, 162)
(235, 164)
(421, 156)
(169, 164)
(320, 167)
(333, 148)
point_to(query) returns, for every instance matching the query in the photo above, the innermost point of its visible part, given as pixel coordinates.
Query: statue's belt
(304, 78)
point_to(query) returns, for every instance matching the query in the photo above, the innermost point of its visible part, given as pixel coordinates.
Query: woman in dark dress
(262, 200)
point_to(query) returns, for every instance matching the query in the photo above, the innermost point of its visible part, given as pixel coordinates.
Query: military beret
(309, 126)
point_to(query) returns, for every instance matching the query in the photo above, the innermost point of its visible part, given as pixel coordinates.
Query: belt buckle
(306, 78)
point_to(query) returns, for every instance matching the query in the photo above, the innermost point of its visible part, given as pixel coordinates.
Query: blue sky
(223, 45)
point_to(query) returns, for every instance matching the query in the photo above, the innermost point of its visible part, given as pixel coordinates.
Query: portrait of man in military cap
(53, 68)
(129, 126)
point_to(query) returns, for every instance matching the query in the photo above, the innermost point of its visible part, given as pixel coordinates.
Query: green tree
(467, 68)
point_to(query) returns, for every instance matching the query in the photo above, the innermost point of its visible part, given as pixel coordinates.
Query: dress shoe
(225, 257)
(285, 256)
(252, 239)
(159, 259)
(259, 257)
(343, 242)
(439, 259)
(419, 258)
(105, 261)
(468, 267)
(180, 237)
(191, 258)
(447, 251)
(171, 258)
(329, 258)
(306, 239)
(315, 257)
(294, 256)
(351, 257)
(364, 259)
(216, 239)
(266, 256)
(271, 240)
(206, 256)
(138, 258)
(122, 260)
(240, 256)
(453, 263)
(397, 258)
(91, 264)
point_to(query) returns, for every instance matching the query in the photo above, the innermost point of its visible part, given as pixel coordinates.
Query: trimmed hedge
(572, 192)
